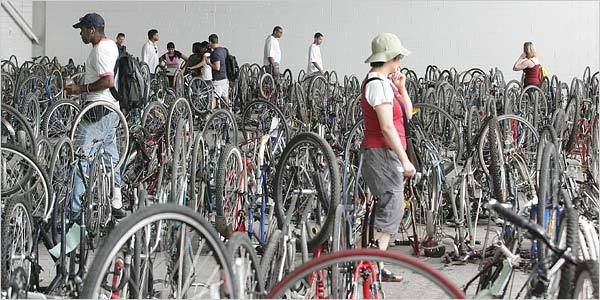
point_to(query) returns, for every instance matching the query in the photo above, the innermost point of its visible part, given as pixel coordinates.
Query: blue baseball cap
(90, 20)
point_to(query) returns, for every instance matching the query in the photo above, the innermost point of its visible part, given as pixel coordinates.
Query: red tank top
(373, 136)
(532, 75)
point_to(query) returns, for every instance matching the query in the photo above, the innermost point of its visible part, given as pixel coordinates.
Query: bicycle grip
(536, 230)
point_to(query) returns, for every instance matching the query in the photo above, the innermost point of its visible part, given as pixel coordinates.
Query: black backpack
(231, 66)
(130, 86)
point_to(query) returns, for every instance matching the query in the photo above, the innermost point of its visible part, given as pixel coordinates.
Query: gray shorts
(383, 173)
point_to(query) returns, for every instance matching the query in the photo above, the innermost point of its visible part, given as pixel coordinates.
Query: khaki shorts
(222, 88)
(384, 175)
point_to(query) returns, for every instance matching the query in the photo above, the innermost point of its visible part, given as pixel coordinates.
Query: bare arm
(523, 63)
(318, 67)
(104, 82)
(216, 65)
(386, 122)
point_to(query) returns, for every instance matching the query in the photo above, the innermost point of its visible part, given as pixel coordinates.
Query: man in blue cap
(99, 78)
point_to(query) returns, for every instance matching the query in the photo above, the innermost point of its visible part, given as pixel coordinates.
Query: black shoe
(118, 213)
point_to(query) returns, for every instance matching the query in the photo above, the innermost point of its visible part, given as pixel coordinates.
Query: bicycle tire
(224, 226)
(497, 168)
(29, 143)
(48, 121)
(334, 191)
(40, 173)
(366, 254)
(240, 241)
(115, 109)
(121, 234)
(573, 112)
(267, 265)
(481, 139)
(586, 271)
(10, 204)
(196, 199)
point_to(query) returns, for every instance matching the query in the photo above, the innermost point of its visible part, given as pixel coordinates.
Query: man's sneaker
(389, 276)
(118, 213)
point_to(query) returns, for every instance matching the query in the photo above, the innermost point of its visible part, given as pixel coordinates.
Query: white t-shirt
(314, 55)
(150, 55)
(379, 91)
(206, 72)
(101, 62)
(272, 50)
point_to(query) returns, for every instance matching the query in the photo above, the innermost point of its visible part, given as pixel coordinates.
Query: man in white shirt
(101, 122)
(150, 51)
(272, 53)
(315, 62)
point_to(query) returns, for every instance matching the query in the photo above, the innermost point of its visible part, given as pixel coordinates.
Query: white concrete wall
(446, 33)
(12, 38)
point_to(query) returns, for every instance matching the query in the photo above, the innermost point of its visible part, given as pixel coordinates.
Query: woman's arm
(523, 63)
(385, 116)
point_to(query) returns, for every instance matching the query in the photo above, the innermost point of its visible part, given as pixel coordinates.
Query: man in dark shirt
(121, 44)
(219, 69)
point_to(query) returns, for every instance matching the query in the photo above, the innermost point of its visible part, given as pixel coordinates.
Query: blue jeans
(104, 131)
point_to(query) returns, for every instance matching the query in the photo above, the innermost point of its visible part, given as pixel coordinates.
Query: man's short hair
(170, 45)
(213, 38)
(151, 33)
(318, 35)
(277, 28)
(120, 34)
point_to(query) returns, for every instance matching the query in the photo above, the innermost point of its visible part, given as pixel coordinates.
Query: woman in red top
(530, 65)
(386, 104)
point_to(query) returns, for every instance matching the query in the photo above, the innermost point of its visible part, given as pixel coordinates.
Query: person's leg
(109, 125)
(87, 133)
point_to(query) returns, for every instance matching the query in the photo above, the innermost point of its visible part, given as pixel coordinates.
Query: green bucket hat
(386, 46)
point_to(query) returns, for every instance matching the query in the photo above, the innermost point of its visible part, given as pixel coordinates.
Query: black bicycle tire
(498, 190)
(118, 237)
(220, 176)
(266, 261)
(240, 240)
(590, 267)
(272, 106)
(570, 144)
(9, 203)
(335, 190)
(21, 119)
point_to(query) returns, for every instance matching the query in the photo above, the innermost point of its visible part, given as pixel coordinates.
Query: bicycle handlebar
(536, 230)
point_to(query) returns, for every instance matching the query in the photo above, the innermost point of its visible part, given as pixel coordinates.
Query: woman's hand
(409, 169)
(399, 80)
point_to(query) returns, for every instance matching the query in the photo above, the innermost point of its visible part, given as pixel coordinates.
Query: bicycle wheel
(194, 243)
(516, 135)
(561, 225)
(61, 166)
(59, 118)
(268, 265)
(180, 110)
(22, 175)
(94, 112)
(230, 198)
(246, 266)
(154, 120)
(15, 129)
(260, 118)
(309, 171)
(586, 280)
(497, 165)
(17, 239)
(301, 282)
(267, 86)
(201, 94)
(198, 177)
